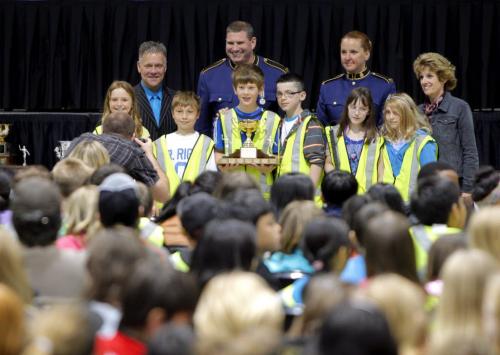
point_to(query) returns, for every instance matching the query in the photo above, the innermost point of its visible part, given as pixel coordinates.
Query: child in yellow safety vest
(301, 139)
(353, 144)
(407, 145)
(185, 153)
(248, 84)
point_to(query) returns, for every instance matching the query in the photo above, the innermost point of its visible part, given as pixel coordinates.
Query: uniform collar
(357, 76)
(255, 61)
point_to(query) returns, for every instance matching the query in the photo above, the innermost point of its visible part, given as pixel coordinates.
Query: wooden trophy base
(261, 159)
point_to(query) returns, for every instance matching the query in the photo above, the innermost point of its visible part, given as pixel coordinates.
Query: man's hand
(146, 144)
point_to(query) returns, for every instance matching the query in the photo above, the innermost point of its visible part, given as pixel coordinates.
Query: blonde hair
(134, 111)
(233, 305)
(12, 271)
(186, 98)
(484, 230)
(294, 219)
(402, 302)
(70, 174)
(11, 322)
(464, 275)
(438, 64)
(60, 330)
(91, 152)
(81, 211)
(491, 311)
(411, 118)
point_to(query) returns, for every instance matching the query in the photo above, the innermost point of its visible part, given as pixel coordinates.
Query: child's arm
(314, 149)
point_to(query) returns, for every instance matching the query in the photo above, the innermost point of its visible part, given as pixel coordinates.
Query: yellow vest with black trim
(366, 174)
(423, 238)
(263, 139)
(406, 180)
(197, 161)
(292, 155)
(145, 132)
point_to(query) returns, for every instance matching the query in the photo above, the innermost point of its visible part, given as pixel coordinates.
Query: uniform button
(219, 99)
(353, 83)
(334, 102)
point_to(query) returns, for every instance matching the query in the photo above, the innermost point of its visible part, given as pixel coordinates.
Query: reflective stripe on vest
(293, 159)
(178, 263)
(366, 171)
(196, 163)
(406, 180)
(263, 139)
(423, 237)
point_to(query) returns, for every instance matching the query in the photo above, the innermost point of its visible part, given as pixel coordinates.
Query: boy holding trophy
(301, 138)
(245, 136)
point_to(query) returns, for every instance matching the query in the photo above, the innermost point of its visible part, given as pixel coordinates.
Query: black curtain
(62, 55)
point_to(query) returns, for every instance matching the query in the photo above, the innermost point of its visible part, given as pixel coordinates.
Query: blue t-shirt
(396, 156)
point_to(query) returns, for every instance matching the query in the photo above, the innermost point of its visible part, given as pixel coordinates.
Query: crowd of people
(375, 232)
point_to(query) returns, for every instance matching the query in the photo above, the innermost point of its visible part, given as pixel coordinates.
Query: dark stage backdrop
(62, 55)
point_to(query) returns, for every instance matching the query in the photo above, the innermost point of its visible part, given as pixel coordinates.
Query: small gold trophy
(248, 154)
(248, 149)
(4, 147)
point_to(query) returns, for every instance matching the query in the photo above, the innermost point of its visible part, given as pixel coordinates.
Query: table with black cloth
(41, 132)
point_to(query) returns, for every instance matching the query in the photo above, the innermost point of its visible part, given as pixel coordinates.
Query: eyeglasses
(286, 94)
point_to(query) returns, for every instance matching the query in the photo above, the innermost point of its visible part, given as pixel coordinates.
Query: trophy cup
(4, 147)
(61, 149)
(248, 154)
(248, 149)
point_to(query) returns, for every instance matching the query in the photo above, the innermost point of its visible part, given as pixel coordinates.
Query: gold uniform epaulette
(213, 65)
(331, 79)
(276, 65)
(383, 77)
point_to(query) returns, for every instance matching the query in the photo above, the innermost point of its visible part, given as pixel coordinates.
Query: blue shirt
(427, 155)
(154, 98)
(354, 271)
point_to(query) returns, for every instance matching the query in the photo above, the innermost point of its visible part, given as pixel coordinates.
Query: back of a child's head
(186, 98)
(486, 180)
(226, 244)
(71, 173)
(246, 205)
(433, 200)
(248, 74)
(291, 187)
(322, 240)
(388, 195)
(295, 217)
(5, 186)
(207, 181)
(389, 247)
(362, 216)
(439, 252)
(145, 199)
(195, 212)
(352, 205)
(103, 172)
(232, 181)
(337, 187)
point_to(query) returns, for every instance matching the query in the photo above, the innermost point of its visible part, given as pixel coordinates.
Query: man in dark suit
(153, 98)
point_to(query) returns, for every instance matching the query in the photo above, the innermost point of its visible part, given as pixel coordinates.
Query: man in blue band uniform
(153, 98)
(215, 86)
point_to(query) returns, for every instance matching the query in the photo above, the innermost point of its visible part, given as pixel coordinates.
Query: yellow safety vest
(197, 161)
(366, 174)
(179, 263)
(145, 132)
(406, 180)
(423, 238)
(263, 139)
(292, 155)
